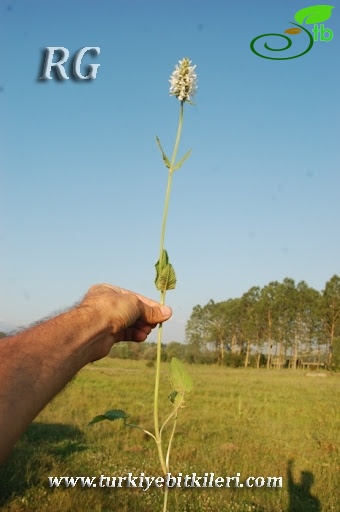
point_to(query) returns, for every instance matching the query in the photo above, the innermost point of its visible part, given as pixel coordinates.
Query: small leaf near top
(165, 158)
(314, 14)
(114, 414)
(182, 160)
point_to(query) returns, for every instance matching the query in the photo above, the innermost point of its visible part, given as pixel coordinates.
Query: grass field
(250, 422)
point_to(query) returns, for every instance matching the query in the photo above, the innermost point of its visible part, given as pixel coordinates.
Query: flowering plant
(183, 85)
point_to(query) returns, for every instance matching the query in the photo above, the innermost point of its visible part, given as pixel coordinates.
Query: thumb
(154, 315)
(166, 312)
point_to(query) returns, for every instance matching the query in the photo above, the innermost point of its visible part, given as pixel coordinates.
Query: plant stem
(167, 460)
(165, 501)
(168, 189)
(162, 297)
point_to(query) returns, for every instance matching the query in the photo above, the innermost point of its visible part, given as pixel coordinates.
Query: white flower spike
(183, 80)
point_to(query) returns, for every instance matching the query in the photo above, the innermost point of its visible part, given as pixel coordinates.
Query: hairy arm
(37, 363)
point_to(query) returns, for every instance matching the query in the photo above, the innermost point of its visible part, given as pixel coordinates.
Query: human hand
(127, 315)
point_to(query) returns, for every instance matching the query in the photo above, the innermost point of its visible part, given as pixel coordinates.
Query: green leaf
(172, 396)
(182, 160)
(180, 380)
(165, 276)
(165, 260)
(165, 158)
(314, 14)
(177, 398)
(115, 414)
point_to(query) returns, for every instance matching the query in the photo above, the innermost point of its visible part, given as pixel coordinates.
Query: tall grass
(250, 422)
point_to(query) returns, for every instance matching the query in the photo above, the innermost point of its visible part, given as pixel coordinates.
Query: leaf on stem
(182, 160)
(114, 414)
(165, 158)
(180, 380)
(176, 398)
(164, 260)
(165, 276)
(172, 396)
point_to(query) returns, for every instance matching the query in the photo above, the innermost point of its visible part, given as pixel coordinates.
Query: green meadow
(251, 422)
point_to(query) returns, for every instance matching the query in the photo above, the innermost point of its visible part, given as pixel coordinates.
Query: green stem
(168, 188)
(163, 293)
(167, 460)
(173, 413)
(155, 406)
(165, 500)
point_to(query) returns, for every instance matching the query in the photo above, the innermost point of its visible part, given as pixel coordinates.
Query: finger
(145, 300)
(133, 334)
(142, 326)
(153, 315)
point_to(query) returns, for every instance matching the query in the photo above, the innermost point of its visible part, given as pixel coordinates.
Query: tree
(285, 319)
(222, 322)
(305, 322)
(251, 322)
(196, 332)
(269, 308)
(330, 306)
(175, 349)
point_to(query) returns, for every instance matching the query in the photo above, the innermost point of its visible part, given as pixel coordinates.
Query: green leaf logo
(314, 14)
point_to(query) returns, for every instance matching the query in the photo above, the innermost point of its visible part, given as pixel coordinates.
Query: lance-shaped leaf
(180, 380)
(165, 158)
(114, 414)
(314, 14)
(182, 160)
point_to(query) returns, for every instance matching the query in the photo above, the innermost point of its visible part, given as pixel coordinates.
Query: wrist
(96, 338)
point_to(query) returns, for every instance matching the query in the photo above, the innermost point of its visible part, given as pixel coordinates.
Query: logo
(58, 66)
(309, 16)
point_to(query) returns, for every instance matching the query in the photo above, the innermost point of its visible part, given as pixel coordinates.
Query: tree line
(283, 324)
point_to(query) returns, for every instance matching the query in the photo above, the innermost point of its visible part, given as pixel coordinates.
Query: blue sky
(82, 181)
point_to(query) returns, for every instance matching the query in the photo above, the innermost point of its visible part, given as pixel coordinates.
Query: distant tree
(285, 314)
(175, 349)
(150, 352)
(250, 322)
(336, 353)
(268, 306)
(196, 329)
(2, 335)
(330, 307)
(280, 320)
(306, 320)
(221, 326)
(213, 327)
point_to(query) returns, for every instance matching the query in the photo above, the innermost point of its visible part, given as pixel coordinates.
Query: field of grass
(250, 422)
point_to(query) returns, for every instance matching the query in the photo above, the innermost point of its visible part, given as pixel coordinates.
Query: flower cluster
(183, 80)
